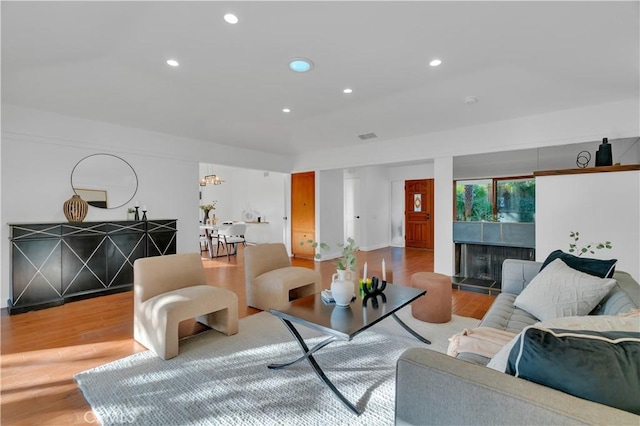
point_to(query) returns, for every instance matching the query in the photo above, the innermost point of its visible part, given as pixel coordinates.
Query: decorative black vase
(603, 155)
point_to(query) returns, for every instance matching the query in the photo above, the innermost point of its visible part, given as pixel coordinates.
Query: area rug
(224, 380)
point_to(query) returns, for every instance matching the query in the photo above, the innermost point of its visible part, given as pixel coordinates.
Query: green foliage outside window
(473, 201)
(512, 201)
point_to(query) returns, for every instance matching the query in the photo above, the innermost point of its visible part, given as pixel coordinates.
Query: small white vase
(342, 287)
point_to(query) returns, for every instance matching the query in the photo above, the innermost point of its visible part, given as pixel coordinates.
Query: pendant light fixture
(211, 179)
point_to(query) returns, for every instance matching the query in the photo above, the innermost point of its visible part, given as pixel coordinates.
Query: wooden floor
(42, 350)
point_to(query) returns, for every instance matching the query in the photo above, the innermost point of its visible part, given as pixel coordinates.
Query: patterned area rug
(224, 380)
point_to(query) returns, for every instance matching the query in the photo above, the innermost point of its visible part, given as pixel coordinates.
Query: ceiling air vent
(366, 136)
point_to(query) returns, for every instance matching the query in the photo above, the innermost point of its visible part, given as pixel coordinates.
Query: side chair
(173, 288)
(231, 236)
(270, 279)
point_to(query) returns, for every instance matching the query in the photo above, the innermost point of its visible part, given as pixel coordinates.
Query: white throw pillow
(560, 291)
(625, 322)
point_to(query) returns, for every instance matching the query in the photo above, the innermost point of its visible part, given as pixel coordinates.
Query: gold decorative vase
(75, 209)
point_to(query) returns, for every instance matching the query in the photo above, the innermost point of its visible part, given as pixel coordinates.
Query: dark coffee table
(364, 312)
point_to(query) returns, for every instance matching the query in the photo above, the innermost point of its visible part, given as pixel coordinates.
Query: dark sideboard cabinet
(54, 263)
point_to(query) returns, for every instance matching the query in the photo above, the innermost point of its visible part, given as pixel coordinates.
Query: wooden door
(303, 214)
(418, 213)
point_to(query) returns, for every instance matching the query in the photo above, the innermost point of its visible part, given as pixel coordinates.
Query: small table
(312, 312)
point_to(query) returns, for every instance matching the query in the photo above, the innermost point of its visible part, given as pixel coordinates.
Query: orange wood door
(418, 213)
(303, 213)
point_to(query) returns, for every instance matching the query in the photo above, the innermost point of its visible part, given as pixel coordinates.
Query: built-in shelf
(601, 169)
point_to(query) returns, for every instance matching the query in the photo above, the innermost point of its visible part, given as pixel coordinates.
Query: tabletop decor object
(373, 297)
(603, 155)
(589, 248)
(75, 209)
(376, 287)
(342, 285)
(207, 208)
(583, 158)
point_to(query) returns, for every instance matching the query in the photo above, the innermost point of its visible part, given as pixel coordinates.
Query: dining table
(211, 232)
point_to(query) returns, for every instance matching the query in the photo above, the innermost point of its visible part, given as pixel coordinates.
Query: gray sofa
(433, 388)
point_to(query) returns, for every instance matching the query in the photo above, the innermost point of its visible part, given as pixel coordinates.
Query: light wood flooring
(42, 350)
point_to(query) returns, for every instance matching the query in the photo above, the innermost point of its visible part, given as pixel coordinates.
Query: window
(497, 200)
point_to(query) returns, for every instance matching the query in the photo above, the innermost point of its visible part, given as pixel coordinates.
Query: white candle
(364, 273)
(137, 204)
(144, 208)
(384, 271)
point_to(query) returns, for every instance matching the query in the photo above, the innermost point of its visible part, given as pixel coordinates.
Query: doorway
(419, 213)
(352, 208)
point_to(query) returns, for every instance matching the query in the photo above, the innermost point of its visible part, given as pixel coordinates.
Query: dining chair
(231, 235)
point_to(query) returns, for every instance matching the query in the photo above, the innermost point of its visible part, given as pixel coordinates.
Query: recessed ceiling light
(173, 62)
(469, 100)
(286, 110)
(300, 65)
(230, 18)
(347, 91)
(435, 62)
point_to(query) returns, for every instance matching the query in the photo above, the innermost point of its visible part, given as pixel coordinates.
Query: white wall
(443, 261)
(39, 150)
(601, 206)
(330, 210)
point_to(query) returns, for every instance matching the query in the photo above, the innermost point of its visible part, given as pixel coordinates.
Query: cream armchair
(271, 281)
(172, 288)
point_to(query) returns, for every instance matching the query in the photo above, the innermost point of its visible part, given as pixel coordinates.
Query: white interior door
(352, 209)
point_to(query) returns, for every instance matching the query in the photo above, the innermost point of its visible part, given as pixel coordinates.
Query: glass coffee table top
(347, 322)
(342, 323)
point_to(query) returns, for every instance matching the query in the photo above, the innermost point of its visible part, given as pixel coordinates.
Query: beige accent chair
(271, 281)
(173, 288)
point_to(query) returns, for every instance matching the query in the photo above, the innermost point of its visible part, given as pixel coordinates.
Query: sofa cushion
(504, 315)
(629, 321)
(597, 366)
(597, 267)
(623, 297)
(560, 291)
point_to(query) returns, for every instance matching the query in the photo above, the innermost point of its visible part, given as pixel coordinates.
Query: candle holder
(144, 215)
(374, 300)
(136, 216)
(377, 287)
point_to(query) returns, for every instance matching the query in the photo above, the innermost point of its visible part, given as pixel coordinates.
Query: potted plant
(130, 213)
(342, 286)
(207, 208)
(579, 251)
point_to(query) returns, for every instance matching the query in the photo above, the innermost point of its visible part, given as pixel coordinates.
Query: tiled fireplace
(481, 247)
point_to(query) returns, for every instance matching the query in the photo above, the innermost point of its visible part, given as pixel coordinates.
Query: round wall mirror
(104, 180)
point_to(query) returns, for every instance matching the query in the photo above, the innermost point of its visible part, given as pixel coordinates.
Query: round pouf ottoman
(435, 306)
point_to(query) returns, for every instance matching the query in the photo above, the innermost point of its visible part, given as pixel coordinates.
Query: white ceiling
(106, 61)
